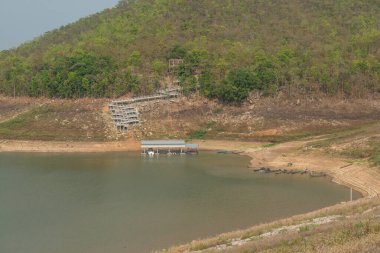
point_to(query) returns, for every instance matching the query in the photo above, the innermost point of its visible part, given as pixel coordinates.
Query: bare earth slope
(11, 108)
(63, 120)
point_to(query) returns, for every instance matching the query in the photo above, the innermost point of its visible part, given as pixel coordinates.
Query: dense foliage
(230, 48)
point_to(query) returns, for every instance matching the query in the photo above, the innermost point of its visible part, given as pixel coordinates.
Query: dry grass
(351, 234)
(10, 107)
(58, 120)
(200, 118)
(359, 211)
(265, 119)
(359, 142)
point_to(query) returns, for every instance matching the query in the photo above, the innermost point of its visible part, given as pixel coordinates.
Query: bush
(243, 78)
(207, 85)
(239, 82)
(177, 52)
(230, 93)
(189, 84)
(198, 134)
(375, 159)
(265, 70)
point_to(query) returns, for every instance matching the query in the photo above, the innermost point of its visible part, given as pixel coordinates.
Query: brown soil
(259, 118)
(357, 174)
(54, 120)
(65, 146)
(11, 108)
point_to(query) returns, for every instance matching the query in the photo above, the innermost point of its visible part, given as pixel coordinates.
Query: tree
(207, 85)
(134, 59)
(265, 71)
(159, 67)
(243, 78)
(230, 93)
(176, 52)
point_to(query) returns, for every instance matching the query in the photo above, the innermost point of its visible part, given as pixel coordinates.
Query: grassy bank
(353, 226)
(58, 121)
(359, 142)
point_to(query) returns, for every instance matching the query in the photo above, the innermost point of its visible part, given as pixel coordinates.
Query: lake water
(98, 203)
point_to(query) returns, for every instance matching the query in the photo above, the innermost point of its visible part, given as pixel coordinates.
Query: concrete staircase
(124, 116)
(124, 113)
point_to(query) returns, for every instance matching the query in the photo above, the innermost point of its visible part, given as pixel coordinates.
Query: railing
(143, 98)
(123, 114)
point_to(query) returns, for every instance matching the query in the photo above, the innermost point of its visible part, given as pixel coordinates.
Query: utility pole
(351, 194)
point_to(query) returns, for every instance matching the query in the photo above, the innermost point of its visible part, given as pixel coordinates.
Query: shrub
(375, 159)
(176, 52)
(207, 85)
(198, 134)
(243, 78)
(230, 93)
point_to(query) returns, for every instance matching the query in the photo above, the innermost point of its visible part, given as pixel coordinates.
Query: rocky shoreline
(311, 173)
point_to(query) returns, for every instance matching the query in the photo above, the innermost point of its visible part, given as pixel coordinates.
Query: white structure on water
(167, 146)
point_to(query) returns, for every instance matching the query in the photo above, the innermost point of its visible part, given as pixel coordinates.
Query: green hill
(235, 47)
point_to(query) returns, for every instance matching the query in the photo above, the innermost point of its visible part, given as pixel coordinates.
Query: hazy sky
(23, 20)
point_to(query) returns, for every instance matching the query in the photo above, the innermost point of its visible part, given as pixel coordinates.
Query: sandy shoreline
(358, 175)
(67, 147)
(113, 146)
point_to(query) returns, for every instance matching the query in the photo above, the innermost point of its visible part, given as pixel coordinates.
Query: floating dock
(170, 147)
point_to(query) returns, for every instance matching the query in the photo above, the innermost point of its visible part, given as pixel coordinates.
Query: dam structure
(124, 112)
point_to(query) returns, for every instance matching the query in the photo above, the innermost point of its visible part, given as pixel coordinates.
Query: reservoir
(117, 202)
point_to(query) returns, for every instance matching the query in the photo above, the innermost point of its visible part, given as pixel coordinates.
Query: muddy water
(96, 203)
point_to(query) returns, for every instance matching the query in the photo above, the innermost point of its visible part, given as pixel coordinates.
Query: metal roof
(163, 142)
(192, 146)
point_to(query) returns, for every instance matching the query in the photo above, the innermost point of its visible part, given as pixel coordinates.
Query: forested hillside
(235, 46)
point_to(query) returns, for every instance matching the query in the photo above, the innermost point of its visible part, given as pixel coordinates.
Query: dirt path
(15, 115)
(11, 108)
